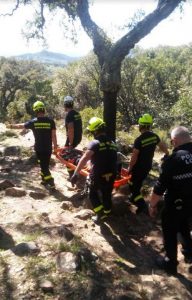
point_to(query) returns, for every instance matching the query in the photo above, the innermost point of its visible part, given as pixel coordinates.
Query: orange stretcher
(66, 158)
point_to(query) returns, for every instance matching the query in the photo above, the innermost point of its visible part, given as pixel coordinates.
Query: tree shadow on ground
(6, 286)
(126, 235)
(6, 240)
(186, 283)
(16, 168)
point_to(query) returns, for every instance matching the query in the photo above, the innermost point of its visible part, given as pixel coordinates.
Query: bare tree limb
(100, 40)
(42, 13)
(13, 10)
(122, 47)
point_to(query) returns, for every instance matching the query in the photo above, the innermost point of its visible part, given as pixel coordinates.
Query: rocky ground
(50, 248)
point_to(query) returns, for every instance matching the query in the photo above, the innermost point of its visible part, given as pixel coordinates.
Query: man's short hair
(182, 133)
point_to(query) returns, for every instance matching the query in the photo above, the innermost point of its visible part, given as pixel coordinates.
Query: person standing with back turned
(102, 152)
(141, 160)
(73, 125)
(175, 182)
(44, 131)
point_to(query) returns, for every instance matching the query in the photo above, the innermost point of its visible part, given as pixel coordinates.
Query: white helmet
(68, 100)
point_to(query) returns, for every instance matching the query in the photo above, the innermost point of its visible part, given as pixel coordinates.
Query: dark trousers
(75, 143)
(44, 161)
(138, 176)
(100, 195)
(174, 222)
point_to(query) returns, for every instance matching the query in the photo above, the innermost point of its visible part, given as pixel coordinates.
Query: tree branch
(122, 47)
(13, 10)
(101, 42)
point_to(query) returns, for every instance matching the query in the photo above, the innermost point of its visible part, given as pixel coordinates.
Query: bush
(88, 112)
(7, 134)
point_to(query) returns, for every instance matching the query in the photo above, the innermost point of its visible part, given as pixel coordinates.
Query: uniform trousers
(100, 194)
(176, 221)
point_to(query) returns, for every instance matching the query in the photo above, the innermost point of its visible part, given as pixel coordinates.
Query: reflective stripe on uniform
(138, 198)
(98, 208)
(107, 176)
(77, 117)
(42, 125)
(104, 146)
(107, 211)
(182, 176)
(149, 141)
(48, 177)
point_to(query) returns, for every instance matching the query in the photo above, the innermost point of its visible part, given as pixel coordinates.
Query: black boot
(187, 256)
(165, 264)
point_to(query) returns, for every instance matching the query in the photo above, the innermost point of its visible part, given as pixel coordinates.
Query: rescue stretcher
(71, 159)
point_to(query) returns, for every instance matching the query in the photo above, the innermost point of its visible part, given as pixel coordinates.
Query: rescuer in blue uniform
(44, 131)
(141, 159)
(102, 152)
(175, 181)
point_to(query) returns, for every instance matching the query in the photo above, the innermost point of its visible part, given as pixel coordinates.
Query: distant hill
(47, 57)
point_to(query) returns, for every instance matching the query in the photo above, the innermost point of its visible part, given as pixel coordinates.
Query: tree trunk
(109, 114)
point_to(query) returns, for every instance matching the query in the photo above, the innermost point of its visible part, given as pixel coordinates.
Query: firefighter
(141, 160)
(73, 125)
(102, 152)
(175, 181)
(44, 131)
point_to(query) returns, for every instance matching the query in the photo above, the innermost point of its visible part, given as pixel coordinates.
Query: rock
(37, 195)
(12, 151)
(67, 205)
(4, 184)
(65, 233)
(15, 192)
(23, 249)
(84, 214)
(6, 169)
(46, 286)
(68, 262)
(2, 127)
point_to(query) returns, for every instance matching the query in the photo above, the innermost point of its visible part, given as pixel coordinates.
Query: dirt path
(125, 246)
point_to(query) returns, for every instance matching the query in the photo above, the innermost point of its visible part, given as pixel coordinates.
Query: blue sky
(108, 14)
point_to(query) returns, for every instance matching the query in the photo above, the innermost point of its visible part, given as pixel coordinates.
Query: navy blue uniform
(103, 172)
(146, 144)
(42, 130)
(176, 181)
(75, 118)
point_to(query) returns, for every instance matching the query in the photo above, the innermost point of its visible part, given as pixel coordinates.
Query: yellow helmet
(146, 119)
(38, 105)
(95, 124)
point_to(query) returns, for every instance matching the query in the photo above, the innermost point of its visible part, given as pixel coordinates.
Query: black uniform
(42, 130)
(176, 181)
(75, 118)
(103, 172)
(146, 144)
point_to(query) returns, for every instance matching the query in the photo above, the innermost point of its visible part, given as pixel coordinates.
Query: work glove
(74, 179)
